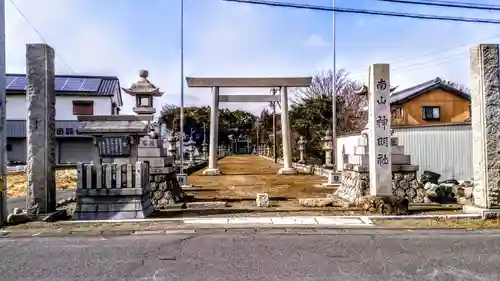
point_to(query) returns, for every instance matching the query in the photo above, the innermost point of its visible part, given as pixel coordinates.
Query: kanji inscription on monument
(113, 147)
(380, 131)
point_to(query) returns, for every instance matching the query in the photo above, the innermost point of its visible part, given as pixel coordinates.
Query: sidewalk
(279, 224)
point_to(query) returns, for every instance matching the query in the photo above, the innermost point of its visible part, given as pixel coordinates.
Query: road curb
(292, 230)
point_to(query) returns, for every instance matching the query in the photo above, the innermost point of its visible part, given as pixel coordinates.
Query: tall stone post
(3, 125)
(285, 135)
(212, 169)
(379, 134)
(40, 168)
(485, 116)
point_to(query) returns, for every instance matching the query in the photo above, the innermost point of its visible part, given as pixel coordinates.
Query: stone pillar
(380, 131)
(212, 169)
(285, 135)
(327, 147)
(485, 117)
(302, 148)
(40, 168)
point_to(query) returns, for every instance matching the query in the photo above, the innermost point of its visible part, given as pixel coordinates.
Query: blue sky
(227, 39)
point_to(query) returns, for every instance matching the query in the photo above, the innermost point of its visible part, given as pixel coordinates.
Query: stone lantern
(144, 92)
(328, 148)
(172, 147)
(190, 149)
(302, 148)
(204, 149)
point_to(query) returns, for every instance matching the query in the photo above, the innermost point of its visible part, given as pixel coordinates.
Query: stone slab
(211, 172)
(294, 220)
(203, 205)
(110, 192)
(40, 135)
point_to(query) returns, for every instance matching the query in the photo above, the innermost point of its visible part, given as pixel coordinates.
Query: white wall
(442, 149)
(17, 107)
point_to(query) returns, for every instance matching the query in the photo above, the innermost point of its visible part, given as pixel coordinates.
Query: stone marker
(40, 136)
(379, 135)
(485, 117)
(262, 200)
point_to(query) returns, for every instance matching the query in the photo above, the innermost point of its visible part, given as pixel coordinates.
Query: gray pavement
(20, 201)
(434, 255)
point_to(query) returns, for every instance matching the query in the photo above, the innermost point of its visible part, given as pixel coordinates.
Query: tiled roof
(412, 92)
(107, 86)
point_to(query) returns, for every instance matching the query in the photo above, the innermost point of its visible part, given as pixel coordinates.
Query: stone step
(397, 159)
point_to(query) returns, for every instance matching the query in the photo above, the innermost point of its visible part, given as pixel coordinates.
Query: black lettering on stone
(382, 121)
(114, 147)
(383, 141)
(382, 159)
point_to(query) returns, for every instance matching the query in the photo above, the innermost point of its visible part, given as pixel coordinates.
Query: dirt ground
(16, 183)
(245, 176)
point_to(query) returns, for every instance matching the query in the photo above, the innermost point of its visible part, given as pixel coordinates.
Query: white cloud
(316, 41)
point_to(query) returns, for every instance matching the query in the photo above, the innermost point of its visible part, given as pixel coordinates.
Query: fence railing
(113, 176)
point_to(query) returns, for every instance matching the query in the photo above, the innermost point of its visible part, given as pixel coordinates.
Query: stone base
(385, 205)
(356, 184)
(287, 171)
(485, 213)
(211, 172)
(165, 190)
(112, 204)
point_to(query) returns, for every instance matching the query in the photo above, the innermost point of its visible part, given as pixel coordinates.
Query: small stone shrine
(165, 189)
(116, 185)
(379, 167)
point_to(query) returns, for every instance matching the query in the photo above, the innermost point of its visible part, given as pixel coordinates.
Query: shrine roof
(417, 90)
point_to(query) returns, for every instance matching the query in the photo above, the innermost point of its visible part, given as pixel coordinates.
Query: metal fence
(445, 149)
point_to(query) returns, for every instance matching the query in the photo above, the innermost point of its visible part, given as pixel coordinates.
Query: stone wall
(356, 184)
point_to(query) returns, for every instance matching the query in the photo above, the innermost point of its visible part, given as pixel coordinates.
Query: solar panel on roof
(73, 84)
(18, 84)
(59, 83)
(9, 80)
(91, 85)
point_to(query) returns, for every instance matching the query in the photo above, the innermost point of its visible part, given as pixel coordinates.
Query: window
(431, 113)
(83, 107)
(9, 147)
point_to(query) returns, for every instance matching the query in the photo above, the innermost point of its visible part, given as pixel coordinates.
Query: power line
(446, 4)
(39, 34)
(366, 12)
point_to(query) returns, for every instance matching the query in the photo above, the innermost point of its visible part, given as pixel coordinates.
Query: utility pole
(334, 96)
(181, 141)
(3, 126)
(275, 148)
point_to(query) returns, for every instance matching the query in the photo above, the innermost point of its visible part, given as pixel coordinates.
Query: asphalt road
(246, 256)
(20, 201)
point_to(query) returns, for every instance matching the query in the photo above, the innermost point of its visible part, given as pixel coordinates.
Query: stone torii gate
(283, 83)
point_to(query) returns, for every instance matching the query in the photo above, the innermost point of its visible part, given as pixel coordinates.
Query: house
(435, 101)
(75, 95)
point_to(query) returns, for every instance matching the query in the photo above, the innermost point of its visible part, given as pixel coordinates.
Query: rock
(13, 219)
(262, 200)
(468, 192)
(316, 202)
(464, 201)
(385, 205)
